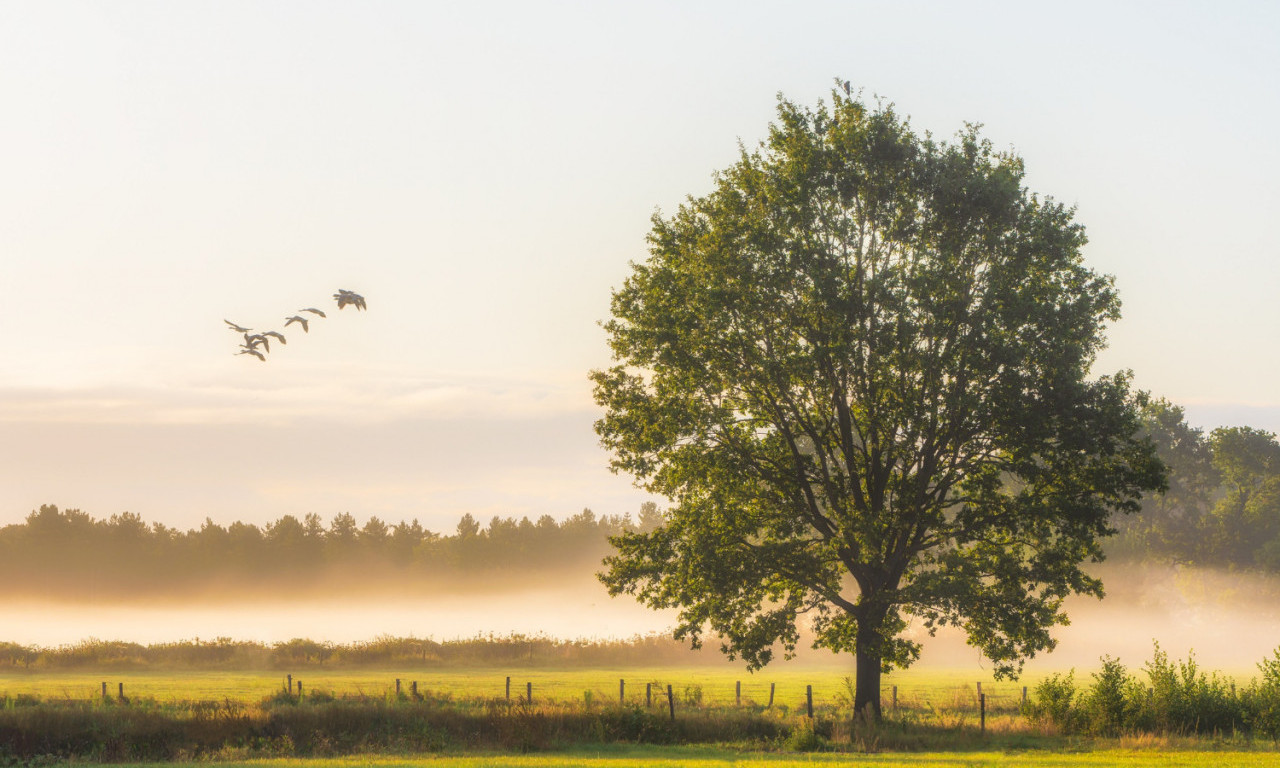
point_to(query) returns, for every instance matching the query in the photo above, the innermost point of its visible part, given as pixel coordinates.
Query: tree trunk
(866, 695)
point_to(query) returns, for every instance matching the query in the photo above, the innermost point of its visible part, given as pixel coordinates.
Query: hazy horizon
(1229, 622)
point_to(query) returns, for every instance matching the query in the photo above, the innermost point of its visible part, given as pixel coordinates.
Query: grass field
(716, 686)
(569, 722)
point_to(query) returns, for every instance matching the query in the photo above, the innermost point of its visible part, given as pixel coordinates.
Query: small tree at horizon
(859, 371)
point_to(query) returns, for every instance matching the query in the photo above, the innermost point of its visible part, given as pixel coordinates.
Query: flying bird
(346, 297)
(251, 341)
(259, 344)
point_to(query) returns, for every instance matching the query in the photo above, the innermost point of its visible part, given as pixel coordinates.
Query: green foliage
(1170, 525)
(865, 358)
(1108, 704)
(1263, 699)
(1184, 699)
(1222, 507)
(1178, 697)
(1054, 701)
(1245, 456)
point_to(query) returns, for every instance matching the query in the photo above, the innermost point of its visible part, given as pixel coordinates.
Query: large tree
(859, 369)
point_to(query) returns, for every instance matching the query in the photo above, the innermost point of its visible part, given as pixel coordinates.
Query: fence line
(685, 695)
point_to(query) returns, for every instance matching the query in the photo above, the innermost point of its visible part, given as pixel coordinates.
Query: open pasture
(691, 686)
(461, 718)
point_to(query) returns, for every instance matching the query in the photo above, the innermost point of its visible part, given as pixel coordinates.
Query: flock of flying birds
(259, 344)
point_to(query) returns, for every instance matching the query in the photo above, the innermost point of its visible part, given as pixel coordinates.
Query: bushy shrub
(1262, 699)
(1110, 704)
(1183, 699)
(1177, 698)
(1052, 702)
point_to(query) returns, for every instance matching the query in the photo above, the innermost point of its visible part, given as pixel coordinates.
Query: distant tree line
(1222, 508)
(69, 553)
(302, 653)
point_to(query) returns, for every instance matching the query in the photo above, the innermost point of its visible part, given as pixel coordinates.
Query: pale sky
(483, 173)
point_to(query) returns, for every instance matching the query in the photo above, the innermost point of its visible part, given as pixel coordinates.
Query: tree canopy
(1222, 508)
(859, 369)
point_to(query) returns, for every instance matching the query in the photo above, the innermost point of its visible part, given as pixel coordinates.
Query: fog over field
(1230, 621)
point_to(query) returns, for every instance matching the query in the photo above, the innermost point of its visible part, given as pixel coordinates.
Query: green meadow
(460, 718)
(690, 685)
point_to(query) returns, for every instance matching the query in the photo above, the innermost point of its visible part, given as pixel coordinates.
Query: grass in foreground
(719, 757)
(322, 730)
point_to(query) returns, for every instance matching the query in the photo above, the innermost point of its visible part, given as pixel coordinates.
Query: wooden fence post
(508, 687)
(397, 686)
(737, 692)
(982, 713)
(648, 695)
(299, 689)
(288, 683)
(622, 689)
(771, 688)
(528, 692)
(104, 691)
(808, 700)
(671, 701)
(895, 698)
(1024, 695)
(122, 692)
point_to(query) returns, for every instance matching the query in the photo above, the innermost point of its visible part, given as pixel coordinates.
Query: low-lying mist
(1229, 620)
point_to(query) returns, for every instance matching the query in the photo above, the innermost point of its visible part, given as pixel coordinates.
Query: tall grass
(321, 723)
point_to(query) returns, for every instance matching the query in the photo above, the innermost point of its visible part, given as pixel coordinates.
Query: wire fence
(670, 692)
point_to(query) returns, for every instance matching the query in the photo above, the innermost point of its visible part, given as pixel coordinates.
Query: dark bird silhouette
(251, 341)
(345, 297)
(259, 344)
